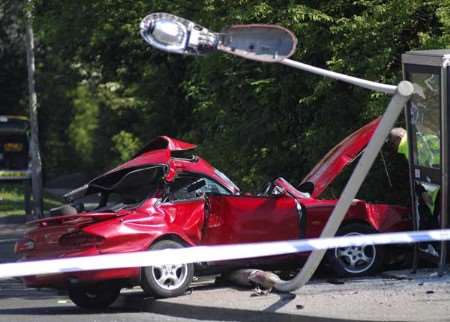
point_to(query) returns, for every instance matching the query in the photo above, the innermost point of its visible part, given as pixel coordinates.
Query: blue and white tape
(211, 253)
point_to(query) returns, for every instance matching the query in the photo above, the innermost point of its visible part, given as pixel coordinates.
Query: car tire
(166, 280)
(94, 296)
(356, 260)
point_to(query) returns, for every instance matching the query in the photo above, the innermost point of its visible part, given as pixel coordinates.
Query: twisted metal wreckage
(275, 44)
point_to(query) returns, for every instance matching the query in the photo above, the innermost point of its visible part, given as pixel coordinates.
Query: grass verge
(12, 200)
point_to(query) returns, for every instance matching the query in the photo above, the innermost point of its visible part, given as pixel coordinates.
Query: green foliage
(12, 201)
(126, 144)
(104, 93)
(84, 124)
(13, 77)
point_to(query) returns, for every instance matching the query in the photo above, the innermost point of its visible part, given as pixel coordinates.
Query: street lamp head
(260, 42)
(177, 35)
(266, 43)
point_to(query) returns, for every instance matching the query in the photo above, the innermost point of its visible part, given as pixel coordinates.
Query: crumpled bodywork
(191, 202)
(158, 152)
(125, 231)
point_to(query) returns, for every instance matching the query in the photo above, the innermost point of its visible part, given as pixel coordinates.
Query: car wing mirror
(306, 187)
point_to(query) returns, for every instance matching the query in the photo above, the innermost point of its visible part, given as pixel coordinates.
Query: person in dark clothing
(428, 199)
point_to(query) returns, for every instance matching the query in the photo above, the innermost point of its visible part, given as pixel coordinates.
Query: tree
(104, 93)
(36, 165)
(12, 59)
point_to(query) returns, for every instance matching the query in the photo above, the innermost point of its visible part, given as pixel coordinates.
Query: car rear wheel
(356, 260)
(95, 296)
(167, 280)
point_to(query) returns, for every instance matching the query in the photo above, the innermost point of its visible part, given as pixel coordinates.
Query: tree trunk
(36, 166)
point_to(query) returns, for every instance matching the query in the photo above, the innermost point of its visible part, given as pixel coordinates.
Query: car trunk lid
(77, 220)
(47, 235)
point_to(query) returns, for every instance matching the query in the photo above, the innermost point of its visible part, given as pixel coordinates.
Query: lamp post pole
(275, 44)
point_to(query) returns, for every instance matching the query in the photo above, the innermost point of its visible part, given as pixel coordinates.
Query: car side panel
(388, 218)
(246, 219)
(138, 230)
(134, 231)
(381, 217)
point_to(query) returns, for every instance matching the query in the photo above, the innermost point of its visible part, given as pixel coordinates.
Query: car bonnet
(333, 163)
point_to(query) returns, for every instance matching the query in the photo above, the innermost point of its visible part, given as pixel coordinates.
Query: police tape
(211, 253)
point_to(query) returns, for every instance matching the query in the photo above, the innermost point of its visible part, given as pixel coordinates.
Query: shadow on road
(138, 303)
(12, 220)
(14, 289)
(209, 313)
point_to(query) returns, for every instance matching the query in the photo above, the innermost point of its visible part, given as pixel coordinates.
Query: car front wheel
(356, 260)
(95, 296)
(167, 280)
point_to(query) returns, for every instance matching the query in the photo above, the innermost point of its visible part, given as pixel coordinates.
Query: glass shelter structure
(14, 154)
(428, 122)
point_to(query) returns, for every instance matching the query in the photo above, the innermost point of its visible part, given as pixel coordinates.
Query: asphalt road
(417, 298)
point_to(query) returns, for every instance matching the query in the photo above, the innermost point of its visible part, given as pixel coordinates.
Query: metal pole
(404, 91)
(27, 198)
(444, 163)
(379, 87)
(413, 199)
(36, 167)
(401, 93)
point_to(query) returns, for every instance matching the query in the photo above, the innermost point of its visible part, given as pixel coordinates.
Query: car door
(235, 219)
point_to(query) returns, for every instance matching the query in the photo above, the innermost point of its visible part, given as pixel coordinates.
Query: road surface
(417, 298)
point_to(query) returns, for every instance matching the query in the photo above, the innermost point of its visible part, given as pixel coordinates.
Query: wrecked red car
(163, 198)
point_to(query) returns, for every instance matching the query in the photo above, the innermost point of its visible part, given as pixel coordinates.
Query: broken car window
(180, 189)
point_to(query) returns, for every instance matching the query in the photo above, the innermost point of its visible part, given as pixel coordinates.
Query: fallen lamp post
(275, 44)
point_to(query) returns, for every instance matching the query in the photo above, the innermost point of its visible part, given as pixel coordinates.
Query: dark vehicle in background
(167, 197)
(14, 148)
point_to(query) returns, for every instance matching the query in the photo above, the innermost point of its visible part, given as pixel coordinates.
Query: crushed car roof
(159, 152)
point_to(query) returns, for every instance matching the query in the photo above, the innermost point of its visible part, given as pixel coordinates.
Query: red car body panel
(210, 218)
(165, 142)
(383, 218)
(245, 219)
(148, 156)
(338, 157)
